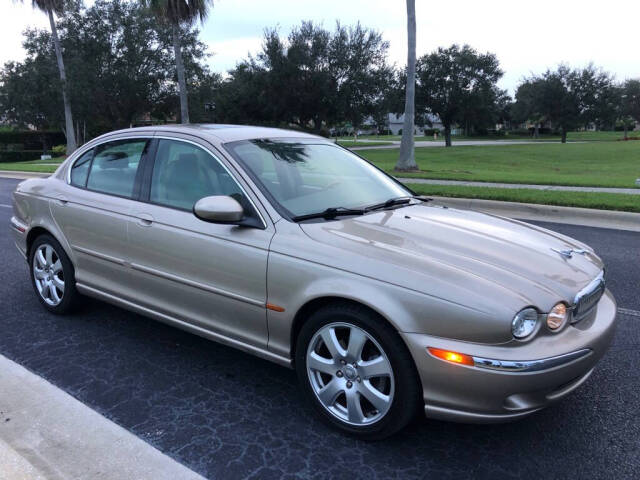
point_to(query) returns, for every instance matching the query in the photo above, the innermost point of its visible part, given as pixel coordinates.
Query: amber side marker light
(453, 357)
(275, 308)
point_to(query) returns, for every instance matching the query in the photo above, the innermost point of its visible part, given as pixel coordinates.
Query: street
(226, 414)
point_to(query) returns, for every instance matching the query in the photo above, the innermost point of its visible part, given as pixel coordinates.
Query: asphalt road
(228, 415)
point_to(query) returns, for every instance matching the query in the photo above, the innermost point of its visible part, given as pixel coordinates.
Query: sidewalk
(456, 143)
(559, 188)
(47, 434)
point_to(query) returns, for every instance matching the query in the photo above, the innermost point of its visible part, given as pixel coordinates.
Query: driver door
(210, 275)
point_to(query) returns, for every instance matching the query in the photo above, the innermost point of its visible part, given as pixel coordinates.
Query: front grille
(587, 299)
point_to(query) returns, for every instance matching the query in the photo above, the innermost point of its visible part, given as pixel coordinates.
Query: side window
(184, 173)
(114, 167)
(80, 169)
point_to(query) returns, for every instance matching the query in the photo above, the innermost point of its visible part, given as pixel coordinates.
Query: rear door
(209, 275)
(93, 210)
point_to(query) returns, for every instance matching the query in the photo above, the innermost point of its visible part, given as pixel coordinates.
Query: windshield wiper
(330, 213)
(392, 202)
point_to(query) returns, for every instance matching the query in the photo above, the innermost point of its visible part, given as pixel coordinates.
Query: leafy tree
(177, 13)
(458, 83)
(569, 98)
(312, 78)
(51, 7)
(527, 106)
(406, 160)
(596, 96)
(117, 79)
(629, 113)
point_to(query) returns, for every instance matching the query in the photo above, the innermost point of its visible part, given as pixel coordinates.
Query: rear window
(115, 165)
(80, 169)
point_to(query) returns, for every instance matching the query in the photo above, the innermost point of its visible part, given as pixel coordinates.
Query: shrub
(21, 156)
(32, 139)
(59, 150)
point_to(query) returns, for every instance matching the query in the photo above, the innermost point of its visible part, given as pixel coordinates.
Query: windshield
(305, 178)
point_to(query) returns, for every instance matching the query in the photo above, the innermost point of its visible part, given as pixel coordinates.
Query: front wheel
(357, 372)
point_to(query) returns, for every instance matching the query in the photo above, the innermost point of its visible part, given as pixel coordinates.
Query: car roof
(222, 133)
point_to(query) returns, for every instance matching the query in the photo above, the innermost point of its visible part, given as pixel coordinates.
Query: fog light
(453, 357)
(524, 323)
(557, 317)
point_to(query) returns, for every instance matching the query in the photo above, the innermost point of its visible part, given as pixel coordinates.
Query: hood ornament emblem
(568, 253)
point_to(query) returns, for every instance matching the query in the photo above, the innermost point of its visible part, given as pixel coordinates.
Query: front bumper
(504, 389)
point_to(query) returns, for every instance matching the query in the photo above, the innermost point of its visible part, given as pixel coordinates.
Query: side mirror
(218, 209)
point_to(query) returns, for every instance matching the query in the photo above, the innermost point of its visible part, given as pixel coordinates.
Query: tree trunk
(447, 135)
(407, 160)
(68, 118)
(626, 132)
(564, 135)
(182, 84)
(536, 131)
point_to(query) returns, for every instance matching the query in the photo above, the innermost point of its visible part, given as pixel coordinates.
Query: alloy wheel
(48, 274)
(350, 374)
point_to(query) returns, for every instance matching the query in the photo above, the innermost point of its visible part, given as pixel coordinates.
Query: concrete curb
(521, 186)
(46, 433)
(549, 213)
(23, 175)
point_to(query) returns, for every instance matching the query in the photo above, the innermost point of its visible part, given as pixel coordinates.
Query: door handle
(62, 200)
(144, 219)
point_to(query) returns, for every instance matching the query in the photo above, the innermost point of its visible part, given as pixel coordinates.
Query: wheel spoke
(54, 294)
(378, 399)
(330, 392)
(354, 408)
(378, 367)
(321, 364)
(45, 290)
(42, 262)
(57, 267)
(333, 345)
(58, 283)
(49, 255)
(38, 273)
(357, 339)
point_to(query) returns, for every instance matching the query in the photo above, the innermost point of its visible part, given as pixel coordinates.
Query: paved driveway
(228, 415)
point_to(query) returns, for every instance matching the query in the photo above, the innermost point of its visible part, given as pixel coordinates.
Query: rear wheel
(52, 275)
(357, 372)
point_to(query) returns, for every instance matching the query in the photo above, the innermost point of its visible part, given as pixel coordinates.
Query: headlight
(557, 317)
(524, 323)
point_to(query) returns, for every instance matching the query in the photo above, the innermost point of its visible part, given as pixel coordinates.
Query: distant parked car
(292, 248)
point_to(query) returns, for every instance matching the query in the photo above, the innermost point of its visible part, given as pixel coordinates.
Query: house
(395, 122)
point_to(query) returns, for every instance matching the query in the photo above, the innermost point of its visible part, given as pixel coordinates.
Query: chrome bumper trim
(530, 365)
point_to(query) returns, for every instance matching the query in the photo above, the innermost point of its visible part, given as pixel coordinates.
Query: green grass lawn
(598, 164)
(603, 201)
(571, 137)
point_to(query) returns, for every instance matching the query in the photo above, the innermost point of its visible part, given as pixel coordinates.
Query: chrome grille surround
(587, 298)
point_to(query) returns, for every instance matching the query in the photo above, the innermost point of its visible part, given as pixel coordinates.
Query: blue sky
(527, 37)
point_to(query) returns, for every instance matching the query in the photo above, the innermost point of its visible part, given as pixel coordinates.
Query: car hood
(451, 253)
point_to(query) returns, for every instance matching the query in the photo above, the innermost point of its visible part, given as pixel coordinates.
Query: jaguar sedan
(294, 249)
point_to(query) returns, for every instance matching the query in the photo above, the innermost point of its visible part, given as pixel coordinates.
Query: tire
(52, 275)
(370, 395)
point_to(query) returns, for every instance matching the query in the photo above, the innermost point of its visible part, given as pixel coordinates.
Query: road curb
(46, 433)
(23, 175)
(549, 213)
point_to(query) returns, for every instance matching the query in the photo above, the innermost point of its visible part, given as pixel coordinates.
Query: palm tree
(407, 160)
(176, 13)
(50, 7)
